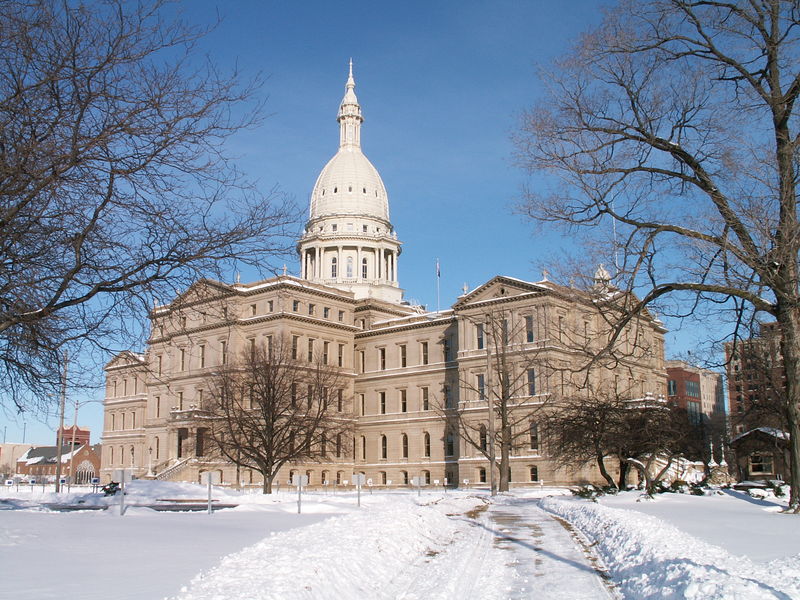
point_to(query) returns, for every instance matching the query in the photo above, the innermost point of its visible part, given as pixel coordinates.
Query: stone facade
(410, 376)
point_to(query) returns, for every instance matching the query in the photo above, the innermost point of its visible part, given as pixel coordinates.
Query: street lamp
(150, 461)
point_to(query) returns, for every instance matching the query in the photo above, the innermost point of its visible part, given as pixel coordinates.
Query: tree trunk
(505, 456)
(624, 469)
(267, 487)
(602, 466)
(790, 349)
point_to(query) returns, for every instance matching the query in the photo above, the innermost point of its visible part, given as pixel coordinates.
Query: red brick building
(81, 436)
(42, 462)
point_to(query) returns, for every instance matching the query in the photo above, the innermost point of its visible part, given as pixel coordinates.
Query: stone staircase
(173, 471)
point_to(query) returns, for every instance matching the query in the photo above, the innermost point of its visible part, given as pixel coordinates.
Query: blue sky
(441, 85)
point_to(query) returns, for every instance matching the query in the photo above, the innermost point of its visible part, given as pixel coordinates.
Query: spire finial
(350, 114)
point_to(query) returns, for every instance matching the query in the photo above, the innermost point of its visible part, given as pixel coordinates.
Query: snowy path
(515, 550)
(436, 549)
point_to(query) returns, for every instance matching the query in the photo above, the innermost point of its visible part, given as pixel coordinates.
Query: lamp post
(60, 436)
(150, 461)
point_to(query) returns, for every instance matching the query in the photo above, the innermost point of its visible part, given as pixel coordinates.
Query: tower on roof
(349, 242)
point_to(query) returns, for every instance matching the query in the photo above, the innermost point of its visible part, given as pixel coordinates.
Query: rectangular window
(481, 381)
(760, 463)
(382, 358)
(252, 345)
(326, 312)
(180, 400)
(403, 401)
(183, 359)
(529, 329)
(294, 394)
(310, 350)
(253, 310)
(363, 404)
(270, 305)
(479, 334)
(341, 316)
(223, 353)
(160, 363)
(158, 407)
(325, 346)
(382, 402)
(310, 309)
(339, 400)
(425, 403)
(531, 382)
(295, 305)
(534, 436)
(362, 359)
(560, 329)
(133, 420)
(200, 399)
(505, 332)
(403, 355)
(424, 352)
(202, 356)
(693, 389)
(295, 342)
(341, 355)
(672, 388)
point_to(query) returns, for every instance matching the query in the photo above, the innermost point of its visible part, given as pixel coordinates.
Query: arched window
(384, 449)
(405, 446)
(324, 478)
(427, 477)
(484, 439)
(349, 267)
(363, 268)
(534, 473)
(334, 270)
(426, 444)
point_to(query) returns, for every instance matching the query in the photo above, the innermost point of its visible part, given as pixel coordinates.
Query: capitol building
(413, 383)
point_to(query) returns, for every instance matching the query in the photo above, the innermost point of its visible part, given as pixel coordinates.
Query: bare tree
(115, 184)
(584, 430)
(270, 409)
(676, 120)
(499, 412)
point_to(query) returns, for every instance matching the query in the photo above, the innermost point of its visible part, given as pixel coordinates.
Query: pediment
(497, 288)
(126, 358)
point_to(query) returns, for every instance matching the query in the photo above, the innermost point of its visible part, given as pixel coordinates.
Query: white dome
(349, 185)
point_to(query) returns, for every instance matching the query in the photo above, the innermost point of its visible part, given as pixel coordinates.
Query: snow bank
(360, 555)
(650, 559)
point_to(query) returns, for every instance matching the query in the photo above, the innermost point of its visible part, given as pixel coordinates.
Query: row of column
(384, 264)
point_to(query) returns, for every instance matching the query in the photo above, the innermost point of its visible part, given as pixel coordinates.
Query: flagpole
(438, 277)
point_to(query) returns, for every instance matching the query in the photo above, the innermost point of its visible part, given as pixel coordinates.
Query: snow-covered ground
(398, 545)
(720, 546)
